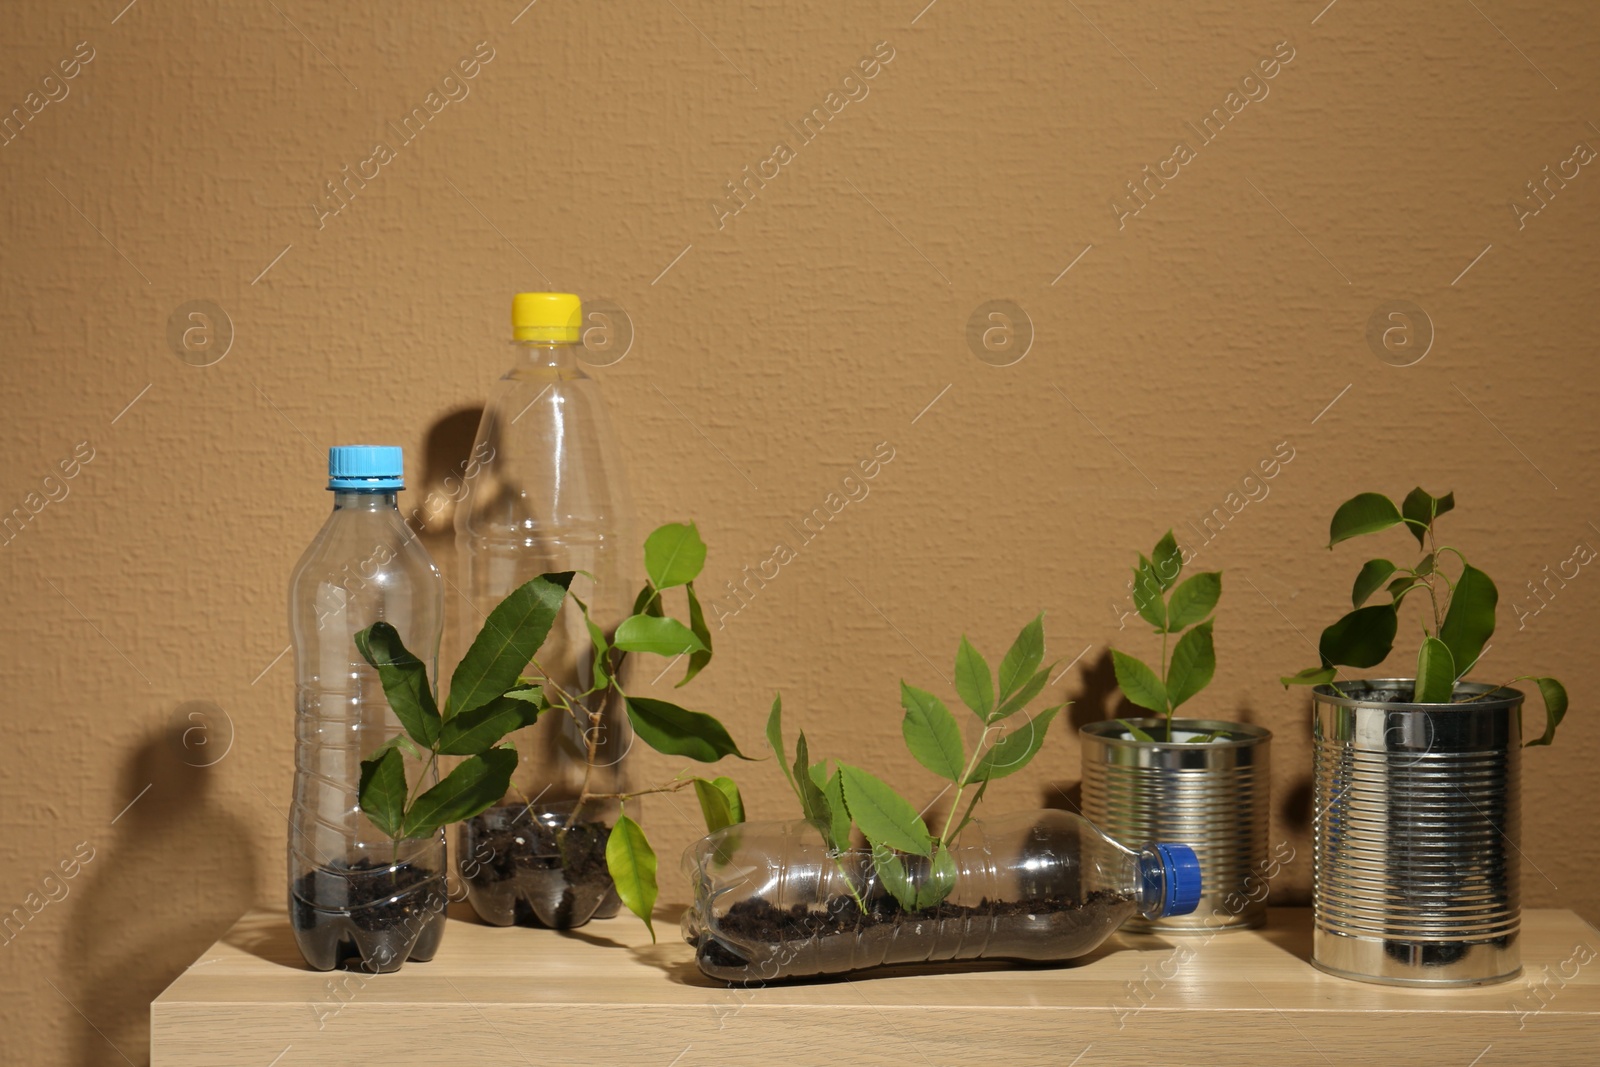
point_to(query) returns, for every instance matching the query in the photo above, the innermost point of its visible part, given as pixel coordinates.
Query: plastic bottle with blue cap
(1034, 885)
(356, 898)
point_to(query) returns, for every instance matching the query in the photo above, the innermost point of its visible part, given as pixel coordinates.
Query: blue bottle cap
(1182, 868)
(366, 467)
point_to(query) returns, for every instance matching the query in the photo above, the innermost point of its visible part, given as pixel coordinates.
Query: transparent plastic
(522, 865)
(549, 496)
(772, 902)
(356, 898)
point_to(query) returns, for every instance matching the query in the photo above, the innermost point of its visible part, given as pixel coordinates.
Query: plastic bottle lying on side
(772, 902)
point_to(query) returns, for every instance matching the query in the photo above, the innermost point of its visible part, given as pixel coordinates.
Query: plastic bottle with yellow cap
(550, 495)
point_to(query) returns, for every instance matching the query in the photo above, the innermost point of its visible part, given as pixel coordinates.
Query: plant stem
(591, 732)
(422, 779)
(591, 750)
(955, 801)
(527, 805)
(966, 815)
(855, 894)
(1166, 694)
(1487, 693)
(671, 787)
(566, 698)
(1433, 550)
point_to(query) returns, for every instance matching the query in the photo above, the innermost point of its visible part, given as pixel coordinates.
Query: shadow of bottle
(170, 875)
(446, 465)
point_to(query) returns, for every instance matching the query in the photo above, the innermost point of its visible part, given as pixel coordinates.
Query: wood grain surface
(605, 995)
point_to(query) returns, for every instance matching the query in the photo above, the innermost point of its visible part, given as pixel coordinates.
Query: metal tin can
(1418, 816)
(1213, 797)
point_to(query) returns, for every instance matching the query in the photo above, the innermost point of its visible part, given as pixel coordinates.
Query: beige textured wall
(774, 348)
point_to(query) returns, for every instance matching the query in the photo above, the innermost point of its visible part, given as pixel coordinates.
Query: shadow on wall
(1100, 699)
(1097, 700)
(430, 510)
(446, 463)
(173, 873)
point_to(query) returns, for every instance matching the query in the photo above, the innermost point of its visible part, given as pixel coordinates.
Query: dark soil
(523, 869)
(757, 943)
(367, 916)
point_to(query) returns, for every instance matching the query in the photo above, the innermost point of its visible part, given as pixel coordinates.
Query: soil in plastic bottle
(1047, 928)
(523, 871)
(364, 915)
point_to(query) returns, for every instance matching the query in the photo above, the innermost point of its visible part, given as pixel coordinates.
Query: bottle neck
(1168, 879)
(366, 500)
(560, 355)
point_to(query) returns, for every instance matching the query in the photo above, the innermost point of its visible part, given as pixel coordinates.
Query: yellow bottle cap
(546, 317)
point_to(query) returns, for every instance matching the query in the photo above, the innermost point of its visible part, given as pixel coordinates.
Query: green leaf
(677, 731)
(597, 638)
(775, 737)
(1020, 699)
(1135, 732)
(720, 802)
(1147, 595)
(1373, 574)
(813, 805)
(482, 728)
(884, 815)
(1436, 673)
(632, 863)
(1420, 509)
(697, 625)
(931, 733)
(1193, 600)
(730, 789)
(1363, 513)
(838, 812)
(1555, 708)
(674, 554)
(663, 636)
(974, 683)
(940, 881)
(1424, 568)
(1469, 620)
(1362, 638)
(383, 790)
(648, 602)
(1022, 658)
(1310, 676)
(1139, 683)
(510, 636)
(477, 783)
(532, 694)
(1401, 586)
(1194, 661)
(405, 681)
(1166, 561)
(1013, 751)
(892, 874)
(818, 773)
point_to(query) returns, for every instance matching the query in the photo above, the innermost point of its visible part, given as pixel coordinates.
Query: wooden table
(605, 995)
